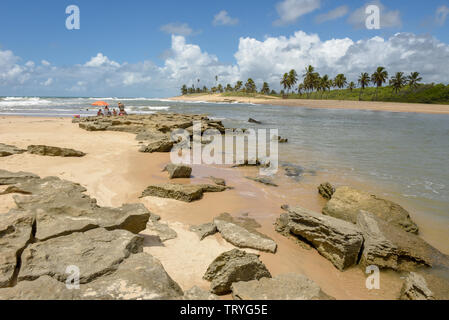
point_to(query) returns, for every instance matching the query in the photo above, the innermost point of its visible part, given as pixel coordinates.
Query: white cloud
(223, 19)
(182, 29)
(45, 63)
(333, 14)
(441, 15)
(290, 10)
(388, 18)
(263, 60)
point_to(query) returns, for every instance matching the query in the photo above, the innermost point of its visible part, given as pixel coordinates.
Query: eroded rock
(8, 150)
(204, 230)
(264, 180)
(54, 151)
(181, 192)
(326, 190)
(176, 171)
(196, 293)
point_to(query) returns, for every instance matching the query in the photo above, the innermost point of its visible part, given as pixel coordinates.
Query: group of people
(108, 113)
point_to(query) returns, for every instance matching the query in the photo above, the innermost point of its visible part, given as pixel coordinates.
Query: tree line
(314, 82)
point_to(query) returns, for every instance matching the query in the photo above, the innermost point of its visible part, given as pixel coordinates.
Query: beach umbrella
(100, 104)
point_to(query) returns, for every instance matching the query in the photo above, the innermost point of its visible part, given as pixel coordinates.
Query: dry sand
(324, 104)
(115, 173)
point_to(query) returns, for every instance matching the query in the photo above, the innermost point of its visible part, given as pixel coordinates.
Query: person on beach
(121, 107)
(100, 113)
(114, 112)
(107, 112)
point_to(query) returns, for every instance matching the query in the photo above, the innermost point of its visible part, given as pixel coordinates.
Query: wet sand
(115, 173)
(324, 104)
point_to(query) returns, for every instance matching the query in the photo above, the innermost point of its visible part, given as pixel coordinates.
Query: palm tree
(285, 82)
(340, 81)
(293, 78)
(300, 88)
(265, 88)
(228, 88)
(398, 81)
(309, 76)
(220, 88)
(413, 80)
(238, 85)
(364, 81)
(379, 77)
(325, 83)
(351, 86)
(250, 86)
(184, 90)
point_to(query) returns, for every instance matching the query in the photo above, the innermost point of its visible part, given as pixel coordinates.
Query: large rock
(162, 145)
(415, 288)
(204, 230)
(219, 181)
(338, 241)
(7, 150)
(176, 171)
(140, 277)
(326, 190)
(182, 192)
(54, 151)
(43, 288)
(282, 287)
(96, 252)
(16, 232)
(234, 266)
(242, 235)
(346, 203)
(388, 246)
(158, 229)
(8, 178)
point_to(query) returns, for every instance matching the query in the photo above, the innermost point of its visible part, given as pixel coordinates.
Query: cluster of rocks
(42, 150)
(152, 131)
(360, 229)
(56, 227)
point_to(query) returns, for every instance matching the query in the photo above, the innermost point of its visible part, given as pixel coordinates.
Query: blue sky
(137, 39)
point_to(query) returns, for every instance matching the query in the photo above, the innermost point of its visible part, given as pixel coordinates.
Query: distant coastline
(322, 104)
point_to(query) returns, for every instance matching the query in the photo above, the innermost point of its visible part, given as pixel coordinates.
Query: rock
(196, 293)
(96, 253)
(139, 277)
(176, 171)
(251, 120)
(346, 203)
(7, 150)
(338, 241)
(282, 140)
(8, 178)
(219, 181)
(243, 236)
(264, 180)
(162, 145)
(326, 190)
(16, 232)
(161, 230)
(181, 192)
(234, 266)
(388, 246)
(282, 287)
(60, 208)
(415, 288)
(54, 151)
(151, 135)
(204, 230)
(43, 288)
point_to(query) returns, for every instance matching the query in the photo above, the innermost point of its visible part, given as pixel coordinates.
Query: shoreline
(323, 104)
(114, 173)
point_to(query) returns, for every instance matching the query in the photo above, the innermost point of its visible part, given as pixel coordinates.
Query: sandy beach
(323, 104)
(114, 173)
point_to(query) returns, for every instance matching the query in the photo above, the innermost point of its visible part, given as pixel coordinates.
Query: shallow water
(401, 156)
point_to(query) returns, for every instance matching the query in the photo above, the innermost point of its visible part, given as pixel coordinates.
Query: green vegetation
(400, 88)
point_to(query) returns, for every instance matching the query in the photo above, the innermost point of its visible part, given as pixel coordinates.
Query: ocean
(400, 156)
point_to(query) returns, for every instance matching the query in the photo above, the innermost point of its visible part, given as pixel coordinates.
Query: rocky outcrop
(346, 203)
(181, 192)
(415, 288)
(326, 190)
(264, 180)
(9, 178)
(243, 236)
(196, 293)
(96, 252)
(140, 277)
(16, 232)
(338, 241)
(7, 150)
(234, 266)
(251, 120)
(282, 287)
(176, 171)
(388, 246)
(161, 230)
(54, 151)
(204, 230)
(162, 145)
